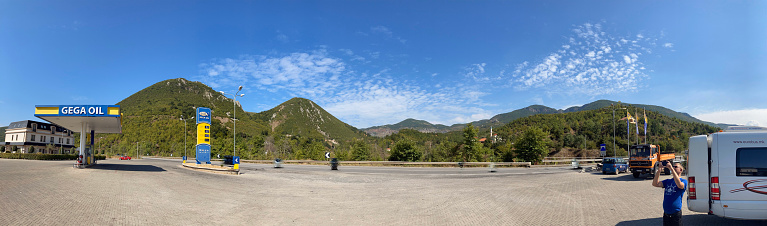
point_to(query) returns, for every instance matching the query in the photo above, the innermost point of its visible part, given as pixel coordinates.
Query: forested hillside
(564, 134)
(152, 124)
(301, 129)
(502, 119)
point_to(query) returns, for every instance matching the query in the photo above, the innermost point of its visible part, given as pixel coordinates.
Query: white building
(37, 137)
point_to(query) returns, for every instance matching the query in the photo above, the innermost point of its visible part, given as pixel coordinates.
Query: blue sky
(379, 62)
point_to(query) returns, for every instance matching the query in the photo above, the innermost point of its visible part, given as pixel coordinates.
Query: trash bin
(334, 164)
(277, 163)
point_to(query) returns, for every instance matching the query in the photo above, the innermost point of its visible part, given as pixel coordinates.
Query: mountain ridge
(504, 118)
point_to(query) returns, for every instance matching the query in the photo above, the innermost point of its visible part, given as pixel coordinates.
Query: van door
(697, 174)
(743, 174)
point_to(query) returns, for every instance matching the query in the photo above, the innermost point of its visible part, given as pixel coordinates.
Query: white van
(727, 173)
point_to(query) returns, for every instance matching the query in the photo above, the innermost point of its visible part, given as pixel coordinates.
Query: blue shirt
(672, 196)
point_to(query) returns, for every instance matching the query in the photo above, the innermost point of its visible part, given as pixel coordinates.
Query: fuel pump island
(91, 119)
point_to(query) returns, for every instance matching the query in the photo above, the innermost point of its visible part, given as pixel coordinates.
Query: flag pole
(645, 124)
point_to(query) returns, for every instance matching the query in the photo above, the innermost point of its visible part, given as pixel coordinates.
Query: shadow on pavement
(121, 167)
(699, 219)
(626, 177)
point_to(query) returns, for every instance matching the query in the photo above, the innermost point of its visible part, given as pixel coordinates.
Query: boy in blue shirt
(673, 192)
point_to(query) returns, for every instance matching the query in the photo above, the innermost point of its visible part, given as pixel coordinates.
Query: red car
(124, 157)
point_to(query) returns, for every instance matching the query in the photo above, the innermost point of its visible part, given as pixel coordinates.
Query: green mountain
(591, 127)
(151, 124)
(299, 116)
(502, 119)
(577, 133)
(420, 125)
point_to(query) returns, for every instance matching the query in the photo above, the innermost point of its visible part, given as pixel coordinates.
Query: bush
(43, 156)
(405, 150)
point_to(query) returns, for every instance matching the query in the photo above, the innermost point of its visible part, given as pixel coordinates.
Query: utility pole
(614, 151)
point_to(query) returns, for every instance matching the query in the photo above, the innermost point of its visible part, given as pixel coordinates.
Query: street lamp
(137, 156)
(234, 119)
(185, 132)
(614, 152)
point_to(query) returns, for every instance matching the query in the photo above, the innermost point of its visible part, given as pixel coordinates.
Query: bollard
(334, 164)
(492, 167)
(277, 163)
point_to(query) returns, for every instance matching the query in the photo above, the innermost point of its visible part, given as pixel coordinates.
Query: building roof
(40, 125)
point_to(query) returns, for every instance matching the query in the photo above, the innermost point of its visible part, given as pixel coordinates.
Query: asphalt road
(161, 192)
(413, 171)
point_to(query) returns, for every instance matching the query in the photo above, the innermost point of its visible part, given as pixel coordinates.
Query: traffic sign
(602, 150)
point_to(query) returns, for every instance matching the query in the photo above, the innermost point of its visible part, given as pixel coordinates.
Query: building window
(52, 139)
(33, 137)
(53, 130)
(42, 138)
(67, 140)
(34, 127)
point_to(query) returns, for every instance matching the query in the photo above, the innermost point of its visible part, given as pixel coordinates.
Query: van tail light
(715, 188)
(692, 194)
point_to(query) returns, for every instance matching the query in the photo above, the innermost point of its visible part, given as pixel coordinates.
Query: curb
(212, 168)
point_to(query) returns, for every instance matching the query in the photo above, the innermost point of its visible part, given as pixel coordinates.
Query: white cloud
(476, 72)
(387, 33)
(362, 99)
(668, 45)
(282, 37)
(591, 63)
(739, 117)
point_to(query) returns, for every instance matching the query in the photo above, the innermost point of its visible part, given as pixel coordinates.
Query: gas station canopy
(96, 118)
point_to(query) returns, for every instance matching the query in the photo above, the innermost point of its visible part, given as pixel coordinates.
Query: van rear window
(751, 162)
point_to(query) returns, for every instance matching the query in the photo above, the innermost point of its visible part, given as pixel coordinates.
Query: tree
(360, 151)
(472, 149)
(405, 150)
(531, 147)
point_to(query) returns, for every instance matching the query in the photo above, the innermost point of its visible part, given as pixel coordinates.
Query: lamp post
(185, 132)
(614, 152)
(234, 119)
(137, 147)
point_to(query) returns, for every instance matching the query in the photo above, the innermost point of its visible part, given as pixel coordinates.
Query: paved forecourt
(144, 192)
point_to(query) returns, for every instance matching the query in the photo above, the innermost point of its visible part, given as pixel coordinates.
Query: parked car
(614, 165)
(124, 157)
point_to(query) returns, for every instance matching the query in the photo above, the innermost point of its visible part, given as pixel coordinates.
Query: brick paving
(152, 192)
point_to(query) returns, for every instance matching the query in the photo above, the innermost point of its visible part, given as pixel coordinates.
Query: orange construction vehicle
(644, 158)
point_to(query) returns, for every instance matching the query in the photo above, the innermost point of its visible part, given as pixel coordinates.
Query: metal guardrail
(396, 163)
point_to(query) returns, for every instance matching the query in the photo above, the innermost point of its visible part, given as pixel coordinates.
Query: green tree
(317, 151)
(531, 147)
(471, 146)
(360, 151)
(405, 150)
